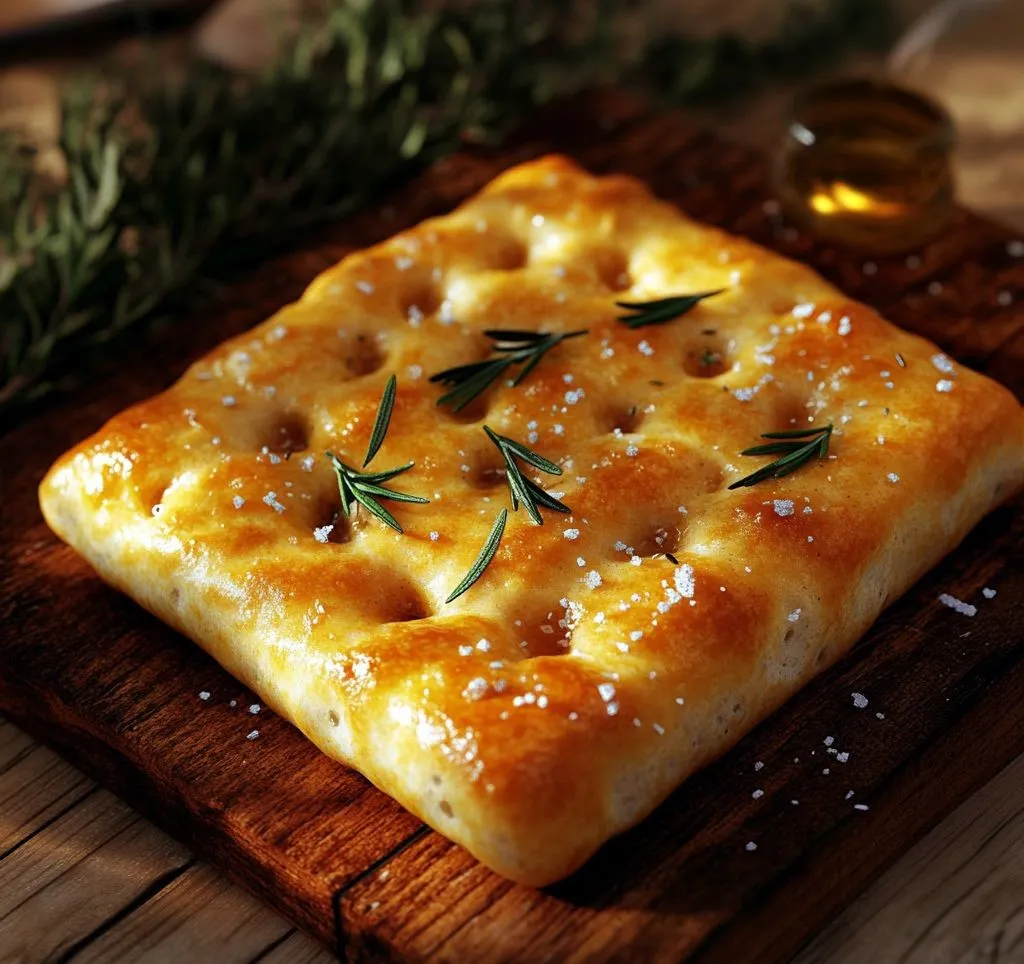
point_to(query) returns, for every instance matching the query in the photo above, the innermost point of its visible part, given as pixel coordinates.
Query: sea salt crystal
(893, 477)
(434, 535)
(845, 327)
(750, 845)
(476, 688)
(757, 794)
(794, 616)
(988, 593)
(252, 734)
(804, 310)
(238, 502)
(271, 499)
(943, 363)
(944, 385)
(645, 348)
(859, 700)
(965, 609)
(861, 806)
(204, 695)
(783, 507)
(322, 533)
(365, 287)
(592, 579)
(684, 581)
(606, 691)
(254, 708)
(571, 534)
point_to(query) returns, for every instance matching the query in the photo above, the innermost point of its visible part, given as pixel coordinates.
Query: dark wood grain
(116, 692)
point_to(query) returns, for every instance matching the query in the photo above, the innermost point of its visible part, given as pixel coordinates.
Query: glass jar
(867, 164)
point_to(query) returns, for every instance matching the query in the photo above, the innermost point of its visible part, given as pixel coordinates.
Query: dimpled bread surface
(605, 655)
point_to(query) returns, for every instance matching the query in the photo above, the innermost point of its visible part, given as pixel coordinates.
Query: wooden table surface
(84, 878)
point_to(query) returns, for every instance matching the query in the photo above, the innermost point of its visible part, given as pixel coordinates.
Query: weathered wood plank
(35, 786)
(957, 896)
(88, 865)
(198, 916)
(297, 948)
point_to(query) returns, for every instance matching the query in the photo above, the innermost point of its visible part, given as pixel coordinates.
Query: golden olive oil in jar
(867, 164)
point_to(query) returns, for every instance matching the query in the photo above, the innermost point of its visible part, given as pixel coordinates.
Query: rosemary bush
(173, 184)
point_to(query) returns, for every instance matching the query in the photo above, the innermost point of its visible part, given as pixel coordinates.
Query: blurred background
(148, 147)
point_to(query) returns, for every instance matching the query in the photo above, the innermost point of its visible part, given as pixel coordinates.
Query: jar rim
(940, 135)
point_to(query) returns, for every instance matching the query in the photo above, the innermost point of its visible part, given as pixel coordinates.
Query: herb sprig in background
(172, 183)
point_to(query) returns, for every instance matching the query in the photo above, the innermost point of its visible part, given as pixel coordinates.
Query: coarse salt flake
(859, 700)
(944, 385)
(252, 734)
(943, 363)
(476, 688)
(606, 691)
(783, 507)
(988, 593)
(322, 533)
(794, 616)
(204, 695)
(684, 581)
(571, 534)
(893, 477)
(238, 502)
(592, 579)
(965, 609)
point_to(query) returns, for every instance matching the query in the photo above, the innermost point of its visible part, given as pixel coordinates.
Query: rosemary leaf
(525, 348)
(797, 454)
(380, 424)
(662, 310)
(525, 490)
(484, 559)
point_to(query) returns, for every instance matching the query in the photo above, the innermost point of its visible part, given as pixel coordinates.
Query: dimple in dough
(586, 674)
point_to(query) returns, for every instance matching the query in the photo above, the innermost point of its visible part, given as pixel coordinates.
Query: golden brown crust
(569, 691)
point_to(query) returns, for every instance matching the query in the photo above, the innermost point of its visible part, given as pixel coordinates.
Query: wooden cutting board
(117, 692)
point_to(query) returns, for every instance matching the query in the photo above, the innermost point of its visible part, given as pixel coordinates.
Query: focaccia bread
(605, 655)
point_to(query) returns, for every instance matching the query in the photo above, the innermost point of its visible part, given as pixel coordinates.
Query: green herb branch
(798, 447)
(643, 313)
(525, 490)
(364, 488)
(173, 183)
(525, 348)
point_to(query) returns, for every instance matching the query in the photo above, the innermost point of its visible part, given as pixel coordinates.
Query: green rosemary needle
(525, 348)
(794, 452)
(525, 490)
(661, 311)
(380, 424)
(487, 553)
